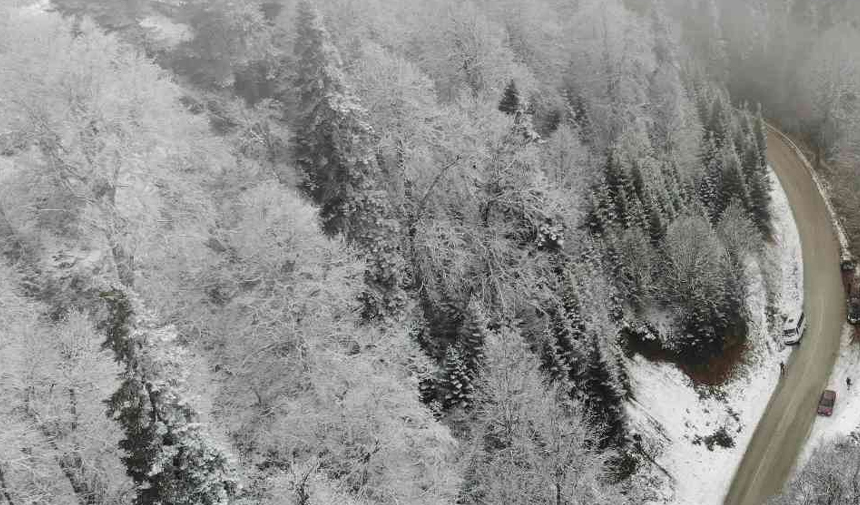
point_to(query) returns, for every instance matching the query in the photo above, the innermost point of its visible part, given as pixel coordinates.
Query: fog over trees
(384, 251)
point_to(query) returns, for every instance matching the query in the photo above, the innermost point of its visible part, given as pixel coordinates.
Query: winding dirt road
(785, 425)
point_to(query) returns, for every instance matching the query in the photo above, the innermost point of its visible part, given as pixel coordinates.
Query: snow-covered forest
(322, 252)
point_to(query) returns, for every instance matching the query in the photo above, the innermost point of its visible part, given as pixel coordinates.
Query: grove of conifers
(382, 251)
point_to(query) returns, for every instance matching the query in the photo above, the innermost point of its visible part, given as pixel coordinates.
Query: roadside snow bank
(698, 435)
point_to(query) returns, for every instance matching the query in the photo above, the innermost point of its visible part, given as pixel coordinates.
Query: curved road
(786, 422)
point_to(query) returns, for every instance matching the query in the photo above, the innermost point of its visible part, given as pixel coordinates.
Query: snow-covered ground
(671, 413)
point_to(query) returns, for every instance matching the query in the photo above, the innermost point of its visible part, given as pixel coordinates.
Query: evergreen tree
(760, 129)
(760, 198)
(578, 113)
(621, 189)
(605, 392)
(717, 125)
(760, 188)
(709, 188)
(376, 232)
(169, 456)
(510, 103)
(603, 215)
(455, 337)
(657, 218)
(555, 354)
(734, 184)
(456, 388)
(471, 336)
(757, 174)
(333, 139)
(676, 197)
(750, 156)
(335, 153)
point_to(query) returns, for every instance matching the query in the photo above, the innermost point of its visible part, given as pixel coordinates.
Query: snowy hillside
(702, 432)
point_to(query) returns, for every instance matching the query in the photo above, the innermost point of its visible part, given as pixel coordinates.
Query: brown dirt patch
(714, 372)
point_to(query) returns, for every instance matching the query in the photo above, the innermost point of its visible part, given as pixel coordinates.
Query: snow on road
(669, 412)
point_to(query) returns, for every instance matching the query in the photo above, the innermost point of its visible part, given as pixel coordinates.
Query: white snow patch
(671, 414)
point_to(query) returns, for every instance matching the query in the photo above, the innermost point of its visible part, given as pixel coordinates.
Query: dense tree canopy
(365, 251)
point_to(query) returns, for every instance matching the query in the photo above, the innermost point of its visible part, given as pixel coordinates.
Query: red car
(825, 404)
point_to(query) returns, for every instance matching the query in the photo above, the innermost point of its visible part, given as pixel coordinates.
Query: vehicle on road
(854, 309)
(826, 403)
(847, 266)
(851, 281)
(792, 330)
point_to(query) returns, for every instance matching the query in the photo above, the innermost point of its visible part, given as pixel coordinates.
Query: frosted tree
(530, 444)
(693, 283)
(829, 85)
(169, 454)
(106, 132)
(830, 476)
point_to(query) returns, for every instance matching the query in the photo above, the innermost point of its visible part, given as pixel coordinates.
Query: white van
(792, 330)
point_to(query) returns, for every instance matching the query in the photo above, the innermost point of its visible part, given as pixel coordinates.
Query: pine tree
(456, 386)
(657, 218)
(620, 189)
(605, 392)
(757, 176)
(676, 199)
(734, 184)
(760, 129)
(333, 140)
(510, 103)
(602, 216)
(742, 130)
(555, 358)
(169, 456)
(567, 361)
(471, 336)
(709, 188)
(759, 189)
(750, 156)
(718, 123)
(703, 95)
(578, 112)
(376, 232)
(335, 153)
